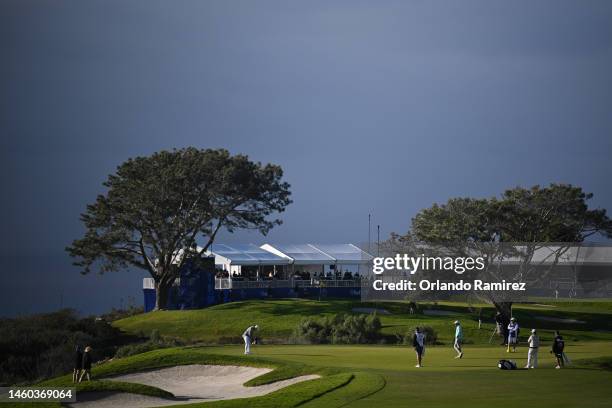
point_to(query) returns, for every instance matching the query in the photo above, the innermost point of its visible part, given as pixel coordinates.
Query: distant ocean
(45, 283)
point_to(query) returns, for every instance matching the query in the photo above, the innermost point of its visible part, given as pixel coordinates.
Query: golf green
(473, 381)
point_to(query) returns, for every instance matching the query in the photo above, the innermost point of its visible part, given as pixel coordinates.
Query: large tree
(531, 217)
(157, 208)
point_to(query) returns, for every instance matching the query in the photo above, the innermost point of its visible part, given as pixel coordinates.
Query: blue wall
(197, 290)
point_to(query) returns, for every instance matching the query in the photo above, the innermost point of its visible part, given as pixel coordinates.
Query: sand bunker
(189, 383)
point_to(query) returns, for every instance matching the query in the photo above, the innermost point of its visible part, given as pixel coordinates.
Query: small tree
(156, 208)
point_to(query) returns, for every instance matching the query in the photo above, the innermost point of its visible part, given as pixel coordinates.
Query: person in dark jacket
(78, 364)
(86, 370)
(557, 349)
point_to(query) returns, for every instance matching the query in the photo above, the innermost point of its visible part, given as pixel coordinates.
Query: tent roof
(247, 254)
(345, 253)
(320, 254)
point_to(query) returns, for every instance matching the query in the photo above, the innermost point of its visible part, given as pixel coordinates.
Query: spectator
(78, 364)
(86, 371)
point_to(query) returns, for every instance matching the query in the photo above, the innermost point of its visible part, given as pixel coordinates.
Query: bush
(313, 331)
(41, 346)
(116, 314)
(131, 349)
(156, 341)
(155, 337)
(339, 329)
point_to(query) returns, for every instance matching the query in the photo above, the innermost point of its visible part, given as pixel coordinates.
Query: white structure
(314, 258)
(235, 258)
(275, 265)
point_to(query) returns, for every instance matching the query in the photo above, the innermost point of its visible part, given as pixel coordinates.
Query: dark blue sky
(381, 107)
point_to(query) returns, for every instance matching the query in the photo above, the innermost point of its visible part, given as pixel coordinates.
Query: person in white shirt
(532, 354)
(513, 331)
(418, 342)
(247, 336)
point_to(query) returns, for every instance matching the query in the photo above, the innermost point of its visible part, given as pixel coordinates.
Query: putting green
(473, 381)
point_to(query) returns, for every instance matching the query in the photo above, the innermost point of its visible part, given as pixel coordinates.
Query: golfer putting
(247, 336)
(458, 339)
(418, 342)
(513, 332)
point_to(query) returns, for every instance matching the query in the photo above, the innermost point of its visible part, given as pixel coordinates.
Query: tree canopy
(532, 218)
(557, 213)
(157, 208)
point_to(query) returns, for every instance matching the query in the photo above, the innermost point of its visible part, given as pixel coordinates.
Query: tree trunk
(161, 295)
(505, 308)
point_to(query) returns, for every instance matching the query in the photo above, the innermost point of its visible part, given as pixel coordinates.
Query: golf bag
(506, 365)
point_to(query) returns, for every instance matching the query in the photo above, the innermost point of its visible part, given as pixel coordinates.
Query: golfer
(418, 342)
(532, 354)
(247, 336)
(557, 349)
(513, 330)
(458, 339)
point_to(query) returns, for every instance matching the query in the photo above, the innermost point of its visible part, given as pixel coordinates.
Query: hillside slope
(277, 318)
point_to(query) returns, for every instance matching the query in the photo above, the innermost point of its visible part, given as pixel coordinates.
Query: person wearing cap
(532, 354)
(247, 336)
(513, 330)
(418, 342)
(458, 339)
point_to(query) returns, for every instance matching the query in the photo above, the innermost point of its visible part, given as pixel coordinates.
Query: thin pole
(378, 241)
(369, 231)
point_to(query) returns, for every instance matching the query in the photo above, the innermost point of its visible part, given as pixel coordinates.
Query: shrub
(339, 329)
(156, 341)
(155, 337)
(137, 348)
(116, 314)
(40, 346)
(313, 331)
